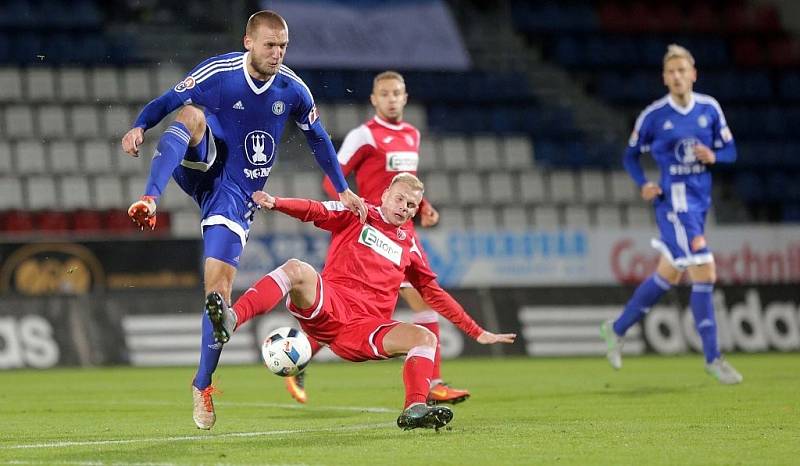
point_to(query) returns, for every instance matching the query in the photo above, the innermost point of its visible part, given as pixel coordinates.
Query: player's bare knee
(298, 271)
(424, 337)
(193, 119)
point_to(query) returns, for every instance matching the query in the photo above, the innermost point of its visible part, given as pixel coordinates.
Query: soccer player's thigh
(669, 244)
(702, 269)
(222, 249)
(315, 304)
(363, 339)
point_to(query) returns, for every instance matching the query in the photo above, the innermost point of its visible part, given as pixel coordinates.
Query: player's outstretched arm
(264, 200)
(354, 204)
(132, 140)
(488, 338)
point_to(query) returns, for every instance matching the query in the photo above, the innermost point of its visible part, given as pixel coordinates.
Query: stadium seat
(518, 153)
(486, 153)
(74, 192)
(129, 165)
(40, 84)
(167, 77)
(6, 161)
(64, 156)
(19, 122)
(85, 123)
(308, 185)
(87, 221)
(136, 86)
(515, 217)
(416, 115)
(484, 218)
(623, 189)
(439, 189)
(105, 86)
(30, 155)
(348, 116)
(282, 186)
(107, 193)
(279, 223)
(592, 185)
(133, 187)
(185, 224)
(452, 218)
(52, 221)
(97, 157)
(562, 187)
(41, 193)
(500, 188)
(72, 85)
(608, 215)
(52, 121)
(470, 189)
(546, 217)
(10, 85)
(532, 187)
(117, 120)
(639, 216)
(11, 193)
(454, 153)
(577, 216)
(15, 221)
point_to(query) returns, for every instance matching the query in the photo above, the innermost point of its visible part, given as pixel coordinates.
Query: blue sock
(170, 151)
(210, 351)
(702, 303)
(645, 296)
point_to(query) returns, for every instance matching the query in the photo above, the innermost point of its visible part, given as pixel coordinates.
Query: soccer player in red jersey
(349, 306)
(375, 152)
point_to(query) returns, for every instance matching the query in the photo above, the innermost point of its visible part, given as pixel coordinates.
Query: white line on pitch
(194, 437)
(250, 404)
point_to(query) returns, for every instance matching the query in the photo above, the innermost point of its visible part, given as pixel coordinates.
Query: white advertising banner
(398, 35)
(751, 254)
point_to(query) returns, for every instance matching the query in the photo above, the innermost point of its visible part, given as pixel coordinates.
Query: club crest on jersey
(185, 85)
(278, 107)
(667, 125)
(684, 151)
(259, 147)
(702, 120)
(401, 235)
(381, 244)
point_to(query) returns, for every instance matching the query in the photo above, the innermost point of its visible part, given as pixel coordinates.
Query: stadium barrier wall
(157, 328)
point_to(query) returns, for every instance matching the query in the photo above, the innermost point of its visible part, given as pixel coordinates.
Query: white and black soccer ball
(286, 351)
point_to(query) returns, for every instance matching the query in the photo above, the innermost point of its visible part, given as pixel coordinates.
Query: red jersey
(367, 263)
(377, 151)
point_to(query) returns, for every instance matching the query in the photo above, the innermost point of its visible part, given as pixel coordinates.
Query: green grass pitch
(657, 410)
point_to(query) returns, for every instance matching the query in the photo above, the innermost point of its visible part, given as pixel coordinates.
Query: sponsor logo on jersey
(257, 173)
(684, 150)
(702, 120)
(185, 85)
(259, 147)
(667, 125)
(402, 161)
(278, 107)
(313, 115)
(238, 105)
(381, 244)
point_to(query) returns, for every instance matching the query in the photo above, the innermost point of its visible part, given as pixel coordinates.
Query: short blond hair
(677, 51)
(265, 18)
(409, 179)
(387, 75)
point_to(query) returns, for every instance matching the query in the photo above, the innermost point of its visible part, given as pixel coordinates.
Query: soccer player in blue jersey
(686, 133)
(220, 149)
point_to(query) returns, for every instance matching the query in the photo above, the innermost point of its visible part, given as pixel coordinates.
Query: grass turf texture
(657, 410)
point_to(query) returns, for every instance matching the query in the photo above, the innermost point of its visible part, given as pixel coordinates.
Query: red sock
(417, 374)
(262, 297)
(430, 320)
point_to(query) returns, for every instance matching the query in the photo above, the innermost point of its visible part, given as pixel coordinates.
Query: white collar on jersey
(385, 123)
(682, 110)
(249, 79)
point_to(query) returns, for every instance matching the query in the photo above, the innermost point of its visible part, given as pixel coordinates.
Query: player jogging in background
(220, 149)
(350, 305)
(375, 152)
(686, 133)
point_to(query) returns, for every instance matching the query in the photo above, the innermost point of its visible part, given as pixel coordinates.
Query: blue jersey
(247, 115)
(669, 133)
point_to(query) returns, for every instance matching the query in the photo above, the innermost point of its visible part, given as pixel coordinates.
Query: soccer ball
(286, 351)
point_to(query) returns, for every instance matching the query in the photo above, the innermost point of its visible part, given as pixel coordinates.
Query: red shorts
(333, 320)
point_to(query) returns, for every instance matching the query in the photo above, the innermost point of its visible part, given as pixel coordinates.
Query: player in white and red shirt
(375, 152)
(349, 307)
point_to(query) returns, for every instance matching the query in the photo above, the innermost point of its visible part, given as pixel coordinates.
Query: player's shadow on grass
(648, 390)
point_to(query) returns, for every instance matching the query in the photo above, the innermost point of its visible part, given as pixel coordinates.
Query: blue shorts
(678, 230)
(221, 203)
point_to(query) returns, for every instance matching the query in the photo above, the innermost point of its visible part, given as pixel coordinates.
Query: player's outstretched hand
(132, 140)
(488, 338)
(354, 204)
(428, 215)
(264, 200)
(650, 190)
(705, 154)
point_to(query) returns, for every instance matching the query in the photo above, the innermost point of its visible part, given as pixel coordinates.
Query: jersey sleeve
(724, 146)
(200, 87)
(357, 145)
(328, 215)
(441, 302)
(638, 144)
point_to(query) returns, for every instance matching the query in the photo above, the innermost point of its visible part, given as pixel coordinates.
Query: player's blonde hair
(411, 180)
(677, 51)
(387, 75)
(265, 18)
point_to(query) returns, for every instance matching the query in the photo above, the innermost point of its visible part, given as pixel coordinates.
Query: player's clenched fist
(132, 140)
